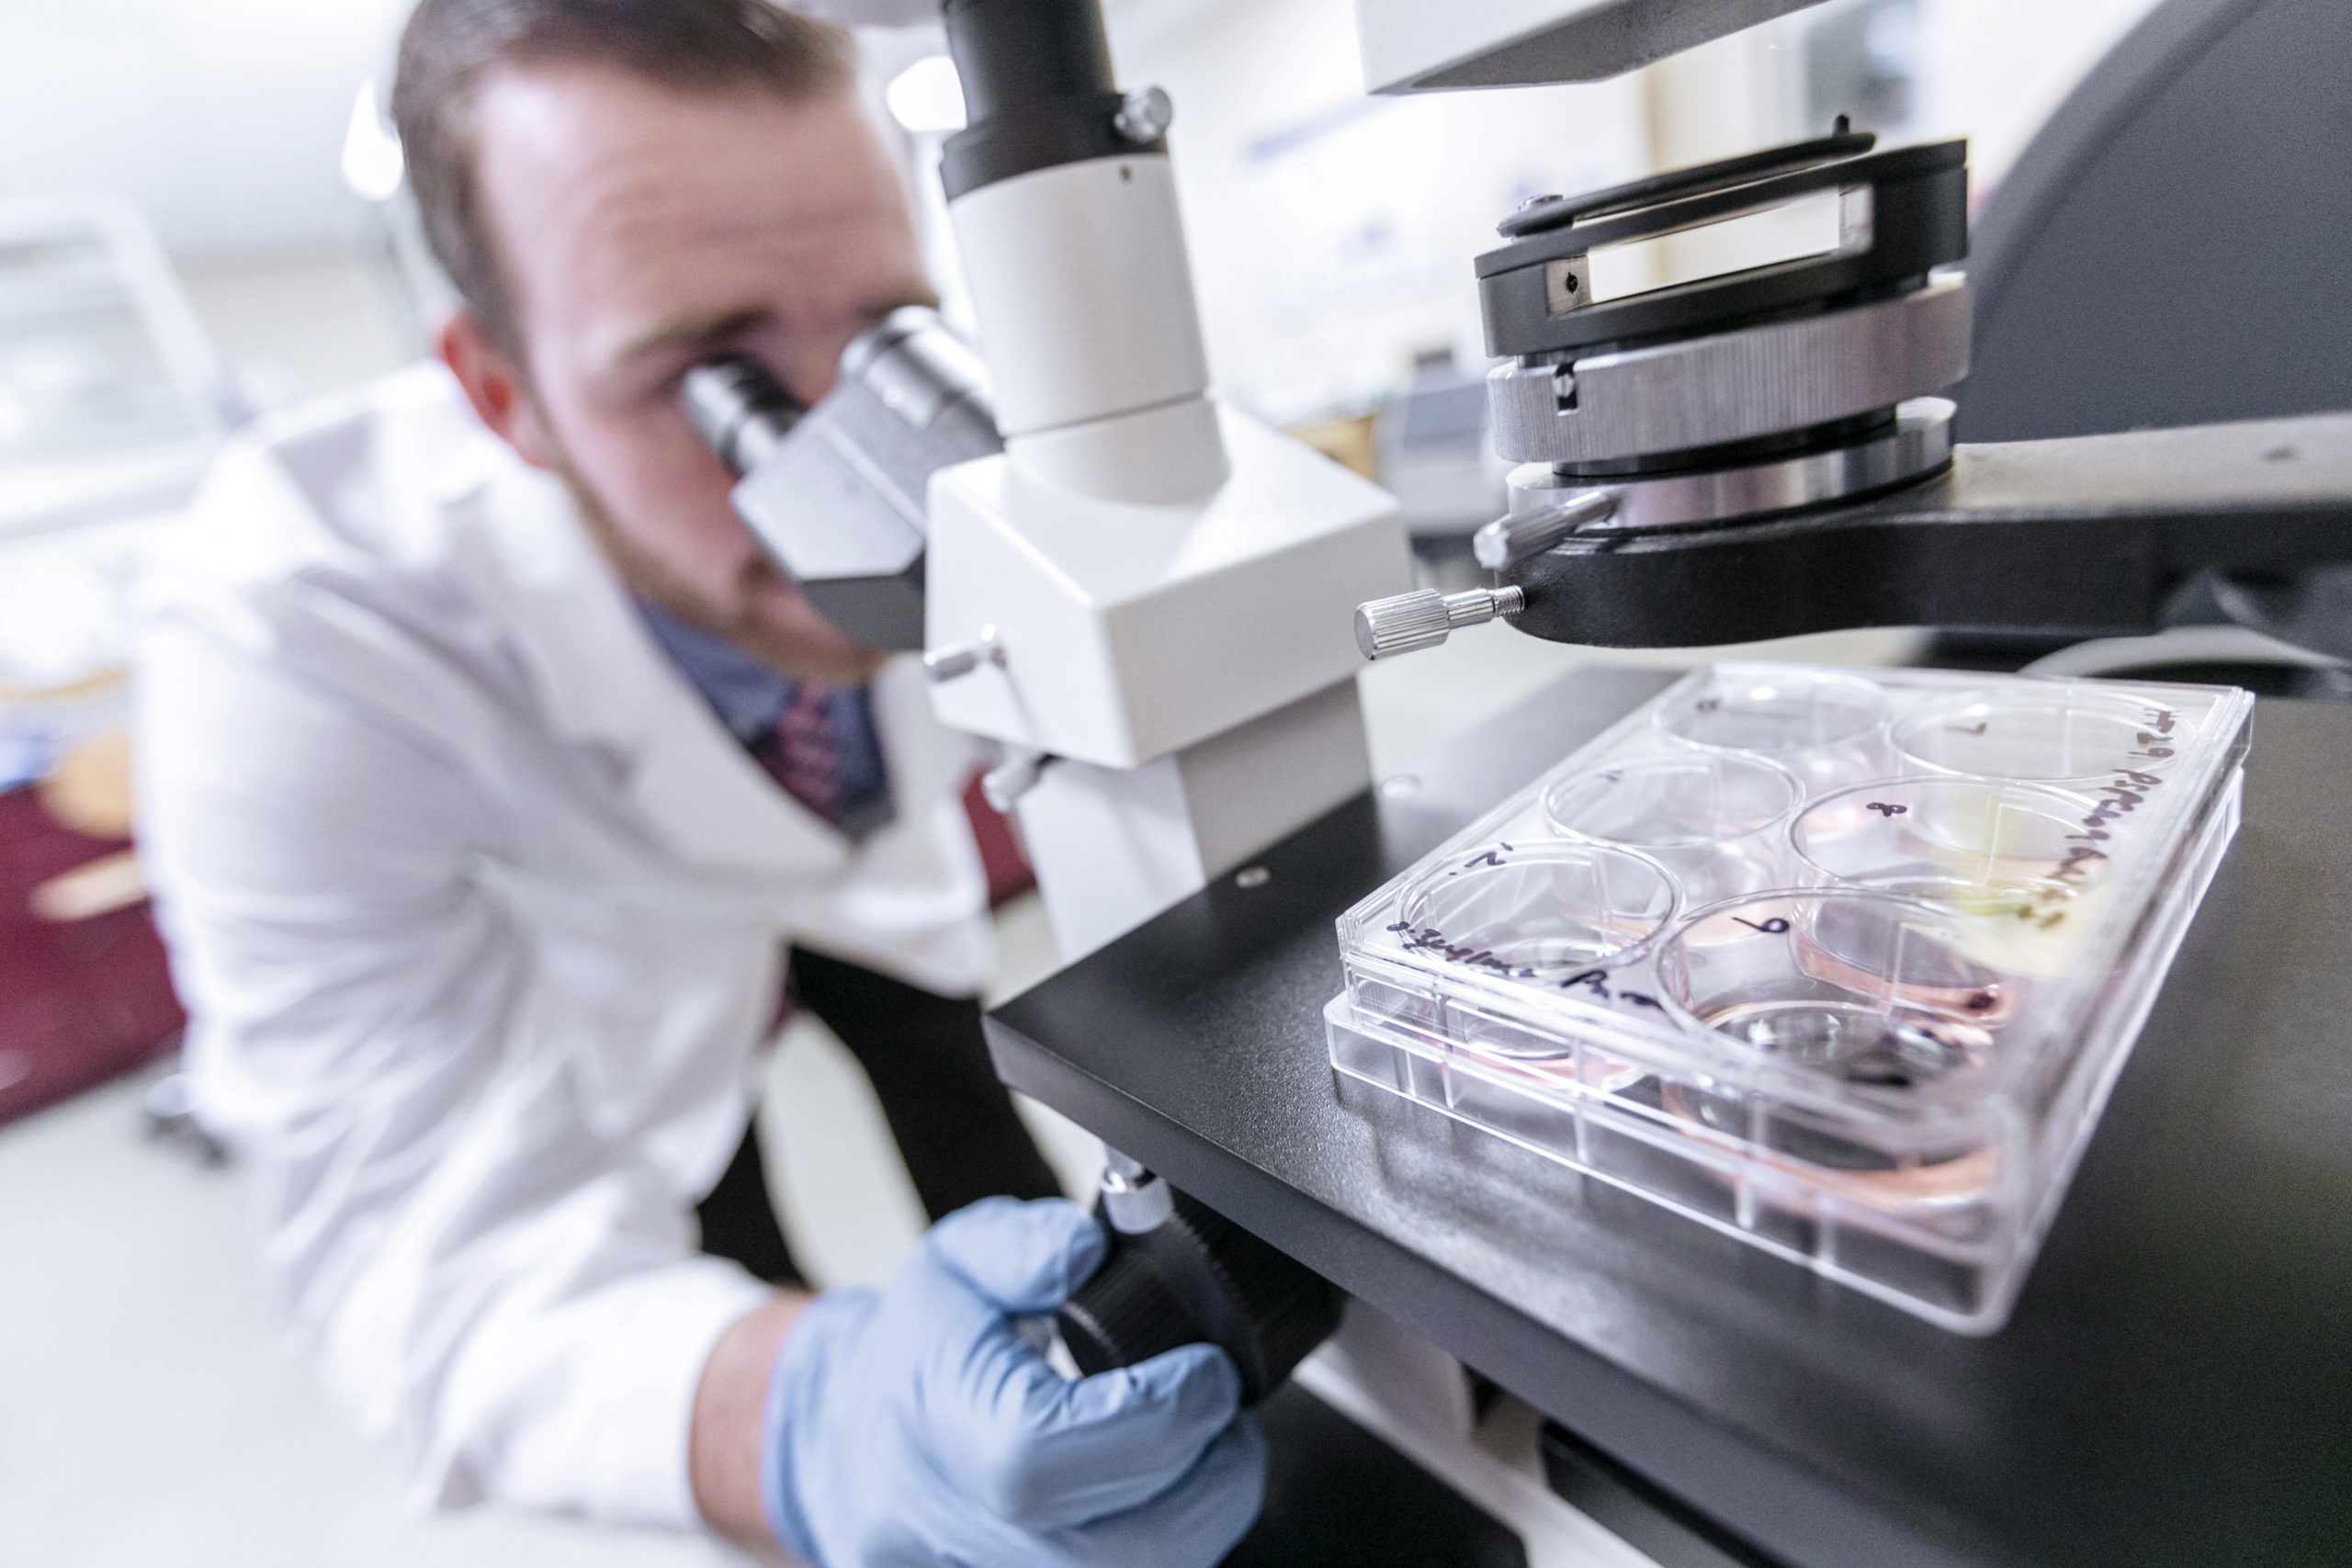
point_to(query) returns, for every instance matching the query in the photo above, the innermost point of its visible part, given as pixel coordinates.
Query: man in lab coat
(490, 772)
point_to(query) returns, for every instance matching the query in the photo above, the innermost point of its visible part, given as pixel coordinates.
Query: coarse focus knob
(1422, 618)
(1198, 1277)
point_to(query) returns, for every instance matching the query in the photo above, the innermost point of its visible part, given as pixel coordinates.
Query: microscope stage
(2172, 1387)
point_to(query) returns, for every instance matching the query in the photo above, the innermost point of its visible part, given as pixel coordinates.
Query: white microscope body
(1163, 588)
(1166, 585)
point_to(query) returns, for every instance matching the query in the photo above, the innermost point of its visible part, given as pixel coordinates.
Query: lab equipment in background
(85, 990)
(111, 398)
(1432, 454)
(112, 403)
(1866, 1024)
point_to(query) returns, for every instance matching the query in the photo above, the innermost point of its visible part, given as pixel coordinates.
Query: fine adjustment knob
(1422, 618)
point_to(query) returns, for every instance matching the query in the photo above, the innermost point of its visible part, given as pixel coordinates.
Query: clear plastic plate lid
(1841, 962)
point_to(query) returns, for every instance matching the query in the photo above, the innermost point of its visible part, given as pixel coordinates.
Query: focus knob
(1507, 541)
(1196, 1276)
(1423, 617)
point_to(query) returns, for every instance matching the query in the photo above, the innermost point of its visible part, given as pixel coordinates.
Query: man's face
(644, 229)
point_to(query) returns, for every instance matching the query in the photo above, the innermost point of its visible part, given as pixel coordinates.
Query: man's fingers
(1023, 1258)
(1032, 1448)
(1197, 1521)
(1068, 1452)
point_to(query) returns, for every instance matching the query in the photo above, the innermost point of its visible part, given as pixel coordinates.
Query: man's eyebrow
(687, 332)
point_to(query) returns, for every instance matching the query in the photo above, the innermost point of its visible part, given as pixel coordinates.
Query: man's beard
(766, 615)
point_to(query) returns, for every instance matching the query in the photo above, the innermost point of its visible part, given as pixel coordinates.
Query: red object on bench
(81, 1000)
(1001, 853)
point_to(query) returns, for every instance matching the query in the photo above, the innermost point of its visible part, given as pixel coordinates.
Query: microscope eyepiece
(836, 492)
(740, 411)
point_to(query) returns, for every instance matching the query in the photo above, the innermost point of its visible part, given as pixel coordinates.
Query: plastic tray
(1840, 963)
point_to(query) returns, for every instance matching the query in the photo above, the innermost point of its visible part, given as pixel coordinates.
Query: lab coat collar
(601, 680)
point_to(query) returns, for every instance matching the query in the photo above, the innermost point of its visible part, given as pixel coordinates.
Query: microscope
(1154, 606)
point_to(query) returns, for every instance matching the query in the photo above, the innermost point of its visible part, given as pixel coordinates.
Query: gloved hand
(914, 1425)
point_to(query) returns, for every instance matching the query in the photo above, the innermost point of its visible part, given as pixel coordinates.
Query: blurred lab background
(202, 219)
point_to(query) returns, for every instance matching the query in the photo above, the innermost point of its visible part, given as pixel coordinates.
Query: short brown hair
(449, 46)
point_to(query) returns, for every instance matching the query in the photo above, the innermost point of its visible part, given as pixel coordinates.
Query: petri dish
(1537, 911)
(2021, 863)
(1955, 841)
(1861, 986)
(2063, 737)
(1827, 729)
(1857, 984)
(1717, 820)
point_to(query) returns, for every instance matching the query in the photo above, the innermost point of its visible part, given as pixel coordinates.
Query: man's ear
(495, 386)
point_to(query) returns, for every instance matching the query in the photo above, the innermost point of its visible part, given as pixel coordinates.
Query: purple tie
(803, 753)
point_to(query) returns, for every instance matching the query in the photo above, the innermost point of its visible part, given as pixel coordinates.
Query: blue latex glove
(914, 1425)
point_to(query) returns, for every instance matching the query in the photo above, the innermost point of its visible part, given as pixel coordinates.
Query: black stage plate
(2176, 1386)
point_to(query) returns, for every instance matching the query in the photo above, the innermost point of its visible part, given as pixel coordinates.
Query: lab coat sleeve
(508, 1295)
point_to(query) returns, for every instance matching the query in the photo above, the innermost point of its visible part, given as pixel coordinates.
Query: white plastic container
(1842, 964)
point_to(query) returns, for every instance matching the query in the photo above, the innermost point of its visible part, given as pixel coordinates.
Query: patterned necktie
(803, 753)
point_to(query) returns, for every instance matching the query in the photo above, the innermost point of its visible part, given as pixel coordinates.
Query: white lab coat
(479, 910)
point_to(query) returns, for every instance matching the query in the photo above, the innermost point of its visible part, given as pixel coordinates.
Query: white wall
(1332, 234)
(1992, 70)
(221, 119)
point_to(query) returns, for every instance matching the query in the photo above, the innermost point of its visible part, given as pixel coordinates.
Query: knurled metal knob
(1509, 540)
(1422, 618)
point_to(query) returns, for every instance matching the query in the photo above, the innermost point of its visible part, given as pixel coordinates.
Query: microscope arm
(2086, 534)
